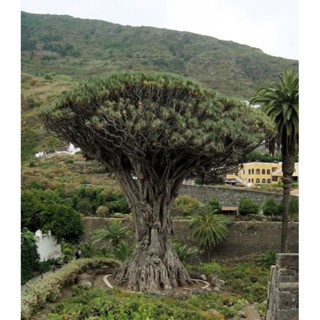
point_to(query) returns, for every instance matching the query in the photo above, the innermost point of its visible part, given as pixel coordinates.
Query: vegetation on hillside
(81, 47)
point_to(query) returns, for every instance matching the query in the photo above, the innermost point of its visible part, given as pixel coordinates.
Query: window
(258, 180)
(268, 181)
(249, 172)
(252, 171)
(263, 171)
(258, 171)
(274, 178)
(252, 180)
(263, 180)
(268, 171)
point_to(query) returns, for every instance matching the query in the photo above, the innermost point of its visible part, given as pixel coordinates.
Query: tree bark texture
(287, 169)
(154, 264)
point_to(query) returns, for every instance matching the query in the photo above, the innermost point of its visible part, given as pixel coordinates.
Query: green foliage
(113, 232)
(122, 251)
(214, 205)
(271, 207)
(63, 221)
(48, 289)
(294, 206)
(183, 251)
(186, 204)
(261, 157)
(209, 229)
(29, 255)
(248, 206)
(31, 207)
(102, 211)
(268, 259)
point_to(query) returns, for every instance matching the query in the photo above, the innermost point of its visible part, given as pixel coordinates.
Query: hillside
(58, 51)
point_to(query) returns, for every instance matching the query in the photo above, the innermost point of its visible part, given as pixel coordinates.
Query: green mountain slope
(58, 51)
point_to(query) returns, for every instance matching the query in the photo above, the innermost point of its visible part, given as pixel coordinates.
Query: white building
(47, 246)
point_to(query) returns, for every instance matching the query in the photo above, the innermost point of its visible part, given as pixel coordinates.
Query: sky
(270, 25)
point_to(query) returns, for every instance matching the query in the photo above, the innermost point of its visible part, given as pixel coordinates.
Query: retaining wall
(283, 291)
(244, 237)
(228, 196)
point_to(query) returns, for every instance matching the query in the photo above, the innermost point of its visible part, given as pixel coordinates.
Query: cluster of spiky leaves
(140, 116)
(280, 102)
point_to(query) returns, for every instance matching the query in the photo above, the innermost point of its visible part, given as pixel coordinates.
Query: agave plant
(209, 229)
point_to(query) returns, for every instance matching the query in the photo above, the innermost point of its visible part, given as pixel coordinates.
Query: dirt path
(252, 313)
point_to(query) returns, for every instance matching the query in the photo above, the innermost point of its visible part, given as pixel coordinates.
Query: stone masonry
(283, 291)
(228, 196)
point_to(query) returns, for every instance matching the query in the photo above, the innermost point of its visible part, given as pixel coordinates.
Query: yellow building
(255, 173)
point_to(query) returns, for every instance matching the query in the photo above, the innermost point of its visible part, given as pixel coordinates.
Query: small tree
(113, 232)
(209, 229)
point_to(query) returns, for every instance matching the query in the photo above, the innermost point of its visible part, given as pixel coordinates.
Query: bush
(29, 255)
(268, 259)
(271, 208)
(186, 204)
(102, 211)
(248, 206)
(183, 251)
(214, 205)
(63, 221)
(48, 289)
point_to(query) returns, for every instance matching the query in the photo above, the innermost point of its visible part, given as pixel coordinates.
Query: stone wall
(228, 196)
(283, 292)
(244, 237)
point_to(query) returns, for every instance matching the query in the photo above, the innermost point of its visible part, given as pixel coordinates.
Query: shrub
(113, 232)
(248, 206)
(29, 255)
(268, 259)
(186, 204)
(122, 251)
(183, 251)
(294, 206)
(271, 208)
(214, 205)
(209, 229)
(102, 211)
(36, 294)
(63, 221)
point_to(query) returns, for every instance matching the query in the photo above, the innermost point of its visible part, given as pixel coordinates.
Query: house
(47, 246)
(257, 173)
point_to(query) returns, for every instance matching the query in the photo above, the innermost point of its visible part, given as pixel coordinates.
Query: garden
(242, 282)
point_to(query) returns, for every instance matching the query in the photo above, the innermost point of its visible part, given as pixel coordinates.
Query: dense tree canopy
(151, 131)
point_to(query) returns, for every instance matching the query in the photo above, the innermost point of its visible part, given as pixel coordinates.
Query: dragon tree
(152, 131)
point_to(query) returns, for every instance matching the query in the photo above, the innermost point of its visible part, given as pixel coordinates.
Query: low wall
(228, 196)
(283, 292)
(244, 237)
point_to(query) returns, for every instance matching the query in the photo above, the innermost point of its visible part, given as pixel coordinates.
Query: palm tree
(209, 229)
(114, 232)
(281, 103)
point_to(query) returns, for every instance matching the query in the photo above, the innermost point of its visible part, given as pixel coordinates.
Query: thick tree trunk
(154, 264)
